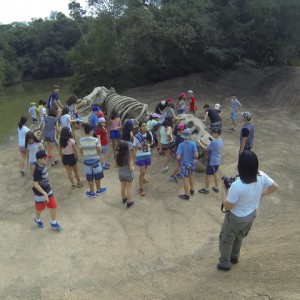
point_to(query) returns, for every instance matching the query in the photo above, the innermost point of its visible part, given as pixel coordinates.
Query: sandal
(142, 192)
(79, 184)
(73, 186)
(145, 180)
(216, 190)
(124, 200)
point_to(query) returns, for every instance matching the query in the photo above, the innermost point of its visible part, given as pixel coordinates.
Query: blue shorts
(233, 116)
(93, 172)
(211, 170)
(143, 162)
(114, 134)
(103, 149)
(186, 169)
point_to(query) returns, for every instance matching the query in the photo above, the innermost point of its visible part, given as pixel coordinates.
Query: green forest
(127, 43)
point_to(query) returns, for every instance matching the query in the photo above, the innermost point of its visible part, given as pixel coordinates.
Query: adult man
(54, 98)
(214, 116)
(235, 104)
(247, 133)
(186, 153)
(241, 201)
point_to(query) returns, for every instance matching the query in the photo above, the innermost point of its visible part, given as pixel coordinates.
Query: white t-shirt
(247, 196)
(64, 121)
(21, 135)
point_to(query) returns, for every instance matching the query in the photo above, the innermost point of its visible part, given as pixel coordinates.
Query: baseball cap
(100, 114)
(190, 92)
(169, 99)
(129, 122)
(217, 106)
(95, 108)
(32, 103)
(246, 115)
(102, 120)
(155, 115)
(182, 95)
(42, 154)
(186, 133)
(181, 126)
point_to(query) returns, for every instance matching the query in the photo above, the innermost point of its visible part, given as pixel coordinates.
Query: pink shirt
(114, 124)
(69, 149)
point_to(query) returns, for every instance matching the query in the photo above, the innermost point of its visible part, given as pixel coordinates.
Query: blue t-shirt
(186, 150)
(53, 96)
(215, 152)
(235, 103)
(94, 120)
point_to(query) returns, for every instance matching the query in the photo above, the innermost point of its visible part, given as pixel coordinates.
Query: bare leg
(32, 168)
(128, 191)
(98, 184)
(207, 181)
(53, 214)
(216, 177)
(69, 173)
(142, 176)
(191, 181)
(23, 158)
(91, 186)
(75, 169)
(123, 187)
(186, 186)
(37, 214)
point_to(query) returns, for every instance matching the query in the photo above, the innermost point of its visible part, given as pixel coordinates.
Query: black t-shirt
(41, 176)
(126, 133)
(245, 132)
(213, 115)
(160, 107)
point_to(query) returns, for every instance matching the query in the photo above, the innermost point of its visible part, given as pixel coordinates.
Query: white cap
(217, 106)
(190, 92)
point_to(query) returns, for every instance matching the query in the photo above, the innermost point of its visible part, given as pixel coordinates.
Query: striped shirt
(89, 147)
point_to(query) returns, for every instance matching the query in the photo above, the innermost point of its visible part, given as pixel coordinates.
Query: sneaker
(203, 191)
(90, 194)
(129, 204)
(40, 224)
(56, 227)
(223, 268)
(124, 200)
(22, 173)
(192, 192)
(231, 128)
(173, 178)
(165, 170)
(54, 163)
(234, 129)
(100, 191)
(216, 190)
(184, 197)
(107, 164)
(79, 184)
(105, 167)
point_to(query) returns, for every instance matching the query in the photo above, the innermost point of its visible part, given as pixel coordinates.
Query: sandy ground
(163, 247)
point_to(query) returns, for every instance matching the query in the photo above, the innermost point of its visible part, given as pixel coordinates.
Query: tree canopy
(125, 43)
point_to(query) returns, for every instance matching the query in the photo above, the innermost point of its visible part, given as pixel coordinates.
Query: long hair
(65, 135)
(248, 166)
(30, 135)
(22, 122)
(123, 155)
(72, 99)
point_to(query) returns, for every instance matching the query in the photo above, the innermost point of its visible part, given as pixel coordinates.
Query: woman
(142, 152)
(166, 141)
(241, 202)
(125, 164)
(22, 130)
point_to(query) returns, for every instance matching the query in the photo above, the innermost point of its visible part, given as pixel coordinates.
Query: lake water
(15, 101)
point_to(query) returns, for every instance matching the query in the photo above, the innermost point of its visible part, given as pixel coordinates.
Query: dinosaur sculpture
(130, 108)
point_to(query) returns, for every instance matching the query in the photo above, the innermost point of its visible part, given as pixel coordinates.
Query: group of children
(128, 148)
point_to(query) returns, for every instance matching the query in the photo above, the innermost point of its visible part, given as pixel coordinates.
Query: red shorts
(42, 205)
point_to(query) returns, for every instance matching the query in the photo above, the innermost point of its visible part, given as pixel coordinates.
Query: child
(181, 106)
(32, 111)
(187, 152)
(115, 131)
(50, 131)
(65, 118)
(71, 104)
(33, 145)
(68, 153)
(178, 140)
(127, 133)
(43, 194)
(102, 135)
(94, 119)
(193, 105)
(126, 168)
(214, 160)
(54, 98)
(42, 112)
(22, 130)
(142, 152)
(235, 104)
(90, 148)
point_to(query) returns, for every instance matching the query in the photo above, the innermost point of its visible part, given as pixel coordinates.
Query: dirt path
(163, 247)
